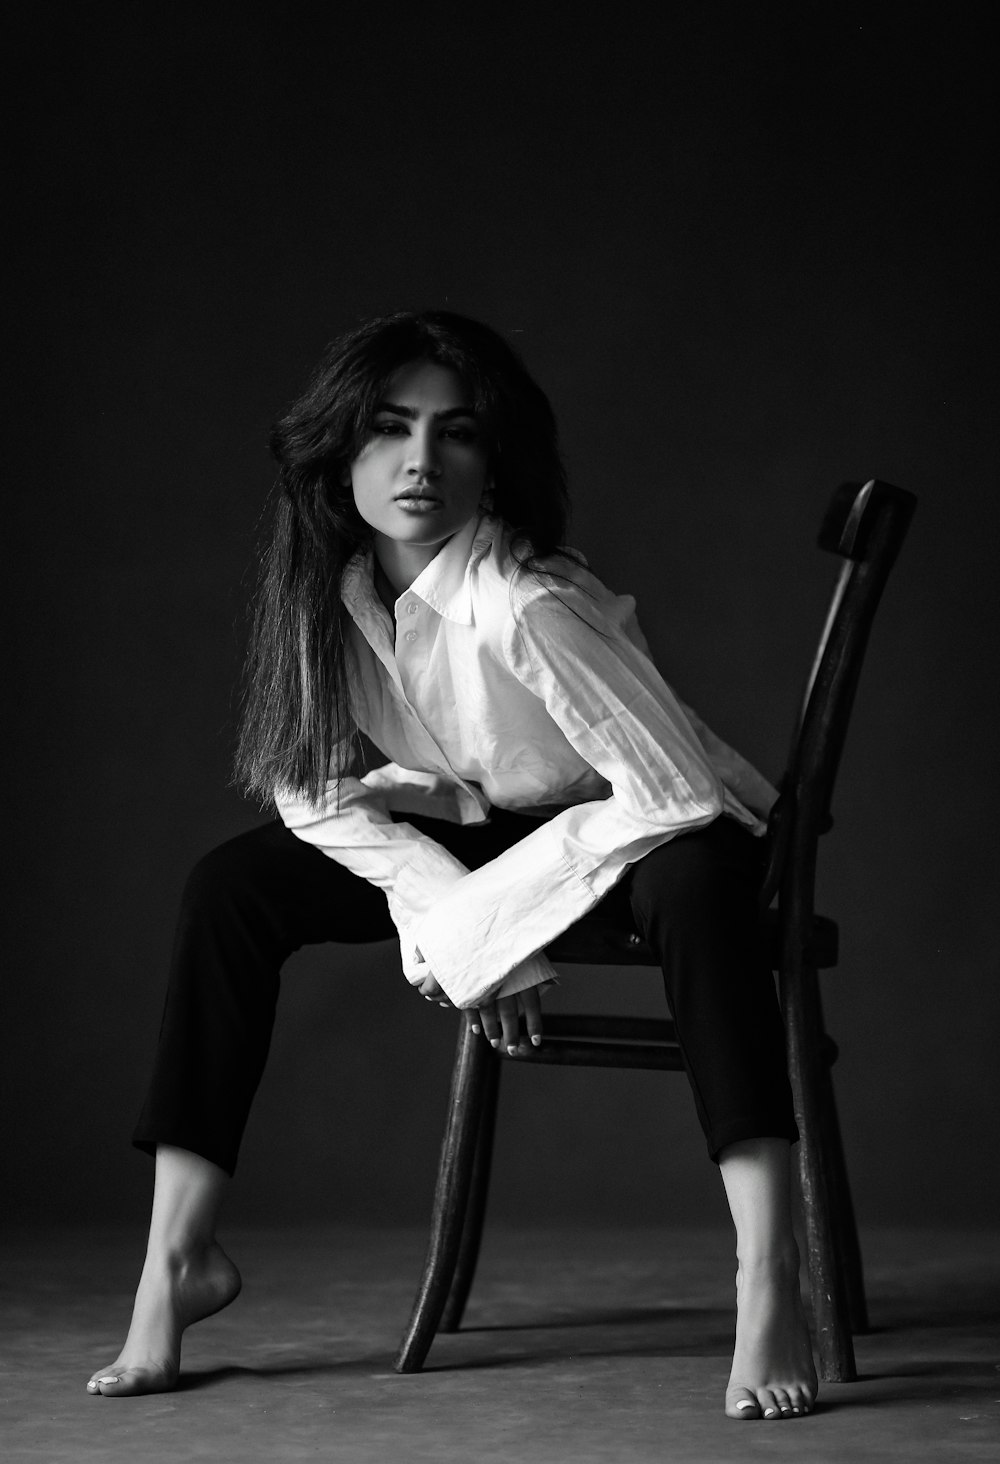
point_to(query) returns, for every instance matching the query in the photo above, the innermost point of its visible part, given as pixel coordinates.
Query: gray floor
(582, 1346)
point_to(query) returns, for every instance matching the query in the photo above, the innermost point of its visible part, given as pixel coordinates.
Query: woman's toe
(768, 1404)
(117, 1384)
(105, 1382)
(741, 1403)
(129, 1380)
(783, 1401)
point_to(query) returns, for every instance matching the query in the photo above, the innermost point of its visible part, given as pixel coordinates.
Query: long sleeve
(740, 777)
(741, 780)
(352, 825)
(565, 643)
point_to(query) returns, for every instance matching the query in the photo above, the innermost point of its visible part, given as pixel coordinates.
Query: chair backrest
(865, 524)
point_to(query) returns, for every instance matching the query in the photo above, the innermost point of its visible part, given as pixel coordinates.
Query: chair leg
(834, 1344)
(465, 1106)
(472, 1232)
(845, 1225)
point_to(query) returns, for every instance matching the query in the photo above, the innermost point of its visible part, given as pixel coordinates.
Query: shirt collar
(445, 585)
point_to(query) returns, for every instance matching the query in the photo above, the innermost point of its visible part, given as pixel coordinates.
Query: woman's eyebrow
(411, 412)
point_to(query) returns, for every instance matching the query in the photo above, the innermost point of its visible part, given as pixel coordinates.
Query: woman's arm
(351, 824)
(566, 644)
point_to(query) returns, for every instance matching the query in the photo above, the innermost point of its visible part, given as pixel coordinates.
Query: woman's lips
(418, 503)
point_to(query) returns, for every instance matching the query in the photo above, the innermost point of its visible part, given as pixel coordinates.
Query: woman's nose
(423, 457)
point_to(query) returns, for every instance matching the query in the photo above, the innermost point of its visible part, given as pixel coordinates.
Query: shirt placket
(413, 645)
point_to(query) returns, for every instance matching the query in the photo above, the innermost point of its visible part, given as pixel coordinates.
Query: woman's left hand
(431, 991)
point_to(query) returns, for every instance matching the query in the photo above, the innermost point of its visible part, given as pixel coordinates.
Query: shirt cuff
(537, 971)
(481, 932)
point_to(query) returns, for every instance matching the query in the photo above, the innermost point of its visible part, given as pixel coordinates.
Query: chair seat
(602, 940)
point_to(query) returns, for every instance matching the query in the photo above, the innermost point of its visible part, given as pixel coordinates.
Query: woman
(532, 759)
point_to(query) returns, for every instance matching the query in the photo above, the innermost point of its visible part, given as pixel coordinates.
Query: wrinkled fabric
(517, 690)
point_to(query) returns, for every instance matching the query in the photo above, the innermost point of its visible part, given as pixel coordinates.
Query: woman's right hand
(500, 1020)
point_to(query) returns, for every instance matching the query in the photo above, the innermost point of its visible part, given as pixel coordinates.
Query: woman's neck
(384, 588)
(398, 565)
(400, 562)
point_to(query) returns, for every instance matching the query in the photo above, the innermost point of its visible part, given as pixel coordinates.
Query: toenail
(770, 1412)
(109, 1380)
(746, 1404)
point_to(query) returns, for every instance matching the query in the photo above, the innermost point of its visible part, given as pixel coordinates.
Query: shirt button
(411, 609)
(411, 635)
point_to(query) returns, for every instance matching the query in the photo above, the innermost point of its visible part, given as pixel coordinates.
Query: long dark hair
(298, 727)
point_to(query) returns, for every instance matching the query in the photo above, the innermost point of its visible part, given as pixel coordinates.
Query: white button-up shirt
(518, 691)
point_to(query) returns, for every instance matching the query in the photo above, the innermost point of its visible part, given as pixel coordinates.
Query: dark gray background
(748, 253)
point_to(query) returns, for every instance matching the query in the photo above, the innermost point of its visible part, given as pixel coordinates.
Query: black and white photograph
(502, 959)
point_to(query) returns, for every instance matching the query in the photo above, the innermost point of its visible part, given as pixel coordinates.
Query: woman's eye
(393, 428)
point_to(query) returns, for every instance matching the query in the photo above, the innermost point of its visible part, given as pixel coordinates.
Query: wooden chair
(866, 525)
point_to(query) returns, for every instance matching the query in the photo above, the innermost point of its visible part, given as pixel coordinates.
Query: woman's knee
(234, 872)
(699, 875)
(271, 884)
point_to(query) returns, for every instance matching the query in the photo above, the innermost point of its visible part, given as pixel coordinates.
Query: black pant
(257, 898)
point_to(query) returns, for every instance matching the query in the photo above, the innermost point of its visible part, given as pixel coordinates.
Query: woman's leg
(245, 908)
(186, 1275)
(695, 902)
(773, 1374)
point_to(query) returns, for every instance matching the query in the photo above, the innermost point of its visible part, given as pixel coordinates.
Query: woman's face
(422, 474)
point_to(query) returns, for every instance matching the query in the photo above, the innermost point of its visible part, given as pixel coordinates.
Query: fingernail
(494, 1041)
(428, 998)
(536, 1041)
(476, 1028)
(444, 1003)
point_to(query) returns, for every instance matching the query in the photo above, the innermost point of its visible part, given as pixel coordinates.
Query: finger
(491, 1027)
(532, 1008)
(429, 989)
(471, 1019)
(509, 1021)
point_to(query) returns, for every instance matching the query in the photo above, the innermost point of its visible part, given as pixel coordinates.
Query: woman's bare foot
(773, 1373)
(173, 1292)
